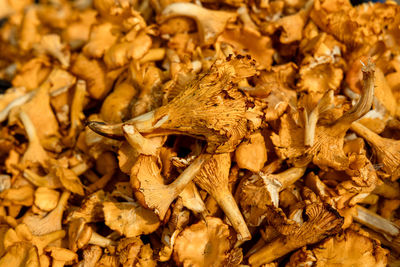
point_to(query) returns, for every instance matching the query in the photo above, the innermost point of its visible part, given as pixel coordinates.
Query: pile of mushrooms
(199, 133)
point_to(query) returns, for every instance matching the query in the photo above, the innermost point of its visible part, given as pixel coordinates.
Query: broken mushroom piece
(51, 44)
(322, 221)
(46, 199)
(192, 200)
(387, 151)
(263, 189)
(18, 101)
(149, 186)
(275, 183)
(177, 222)
(205, 243)
(193, 111)
(252, 154)
(210, 23)
(213, 177)
(129, 218)
(61, 256)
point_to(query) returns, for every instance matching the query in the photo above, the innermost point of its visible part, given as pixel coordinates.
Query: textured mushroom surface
(199, 133)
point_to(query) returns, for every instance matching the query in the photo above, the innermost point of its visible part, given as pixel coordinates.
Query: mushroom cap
(350, 248)
(203, 244)
(130, 218)
(62, 254)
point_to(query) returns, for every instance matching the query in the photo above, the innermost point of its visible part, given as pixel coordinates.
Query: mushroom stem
(376, 222)
(290, 176)
(154, 54)
(101, 183)
(322, 222)
(113, 131)
(366, 133)
(35, 151)
(365, 102)
(214, 178)
(387, 190)
(275, 183)
(76, 111)
(324, 104)
(149, 186)
(138, 142)
(29, 128)
(15, 103)
(100, 240)
(272, 251)
(187, 175)
(143, 123)
(228, 204)
(49, 181)
(80, 168)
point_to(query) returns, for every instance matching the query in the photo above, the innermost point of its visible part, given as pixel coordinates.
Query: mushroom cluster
(199, 133)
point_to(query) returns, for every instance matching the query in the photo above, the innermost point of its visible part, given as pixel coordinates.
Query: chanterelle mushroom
(330, 138)
(210, 23)
(80, 235)
(213, 177)
(19, 255)
(129, 218)
(386, 150)
(351, 248)
(62, 256)
(149, 186)
(193, 111)
(170, 82)
(203, 244)
(321, 221)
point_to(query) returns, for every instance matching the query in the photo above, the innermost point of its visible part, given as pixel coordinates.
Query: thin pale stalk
(15, 103)
(365, 102)
(143, 123)
(228, 204)
(48, 181)
(366, 133)
(100, 240)
(376, 222)
(188, 175)
(290, 176)
(29, 128)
